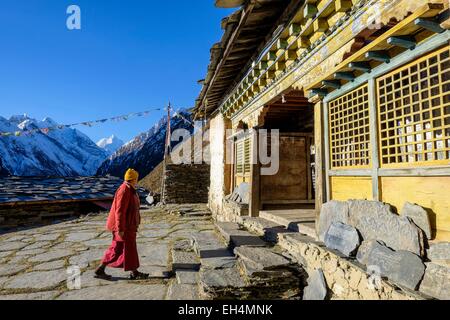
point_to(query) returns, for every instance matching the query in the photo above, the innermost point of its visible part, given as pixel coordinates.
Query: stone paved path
(34, 263)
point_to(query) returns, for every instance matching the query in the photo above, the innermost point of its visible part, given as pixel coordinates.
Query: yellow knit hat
(131, 174)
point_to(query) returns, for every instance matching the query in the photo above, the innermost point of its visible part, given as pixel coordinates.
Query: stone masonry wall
(186, 183)
(345, 279)
(13, 216)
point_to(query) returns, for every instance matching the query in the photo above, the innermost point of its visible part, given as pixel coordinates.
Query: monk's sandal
(139, 276)
(100, 274)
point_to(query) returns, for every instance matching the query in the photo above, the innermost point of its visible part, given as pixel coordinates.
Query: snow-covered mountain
(111, 144)
(144, 152)
(61, 152)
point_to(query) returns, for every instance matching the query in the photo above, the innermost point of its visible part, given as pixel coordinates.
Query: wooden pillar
(255, 177)
(319, 156)
(374, 140)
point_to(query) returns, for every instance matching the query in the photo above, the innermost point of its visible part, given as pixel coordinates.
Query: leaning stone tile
(419, 216)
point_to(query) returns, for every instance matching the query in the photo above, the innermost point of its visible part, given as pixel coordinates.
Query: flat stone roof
(15, 190)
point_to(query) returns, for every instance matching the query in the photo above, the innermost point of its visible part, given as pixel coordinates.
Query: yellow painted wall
(432, 193)
(345, 188)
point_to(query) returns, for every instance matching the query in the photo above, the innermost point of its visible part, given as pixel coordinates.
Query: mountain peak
(111, 144)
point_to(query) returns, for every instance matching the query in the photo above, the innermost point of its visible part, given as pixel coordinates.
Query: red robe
(123, 217)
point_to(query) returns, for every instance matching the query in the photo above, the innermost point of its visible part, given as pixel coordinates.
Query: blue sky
(129, 56)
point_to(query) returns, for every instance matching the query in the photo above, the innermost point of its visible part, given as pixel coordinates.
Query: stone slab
(12, 245)
(81, 236)
(119, 291)
(187, 277)
(436, 281)
(439, 251)
(51, 255)
(317, 286)
(37, 280)
(221, 278)
(47, 266)
(87, 258)
(154, 254)
(332, 211)
(375, 221)
(10, 269)
(47, 295)
(419, 216)
(184, 260)
(401, 267)
(183, 292)
(261, 258)
(343, 238)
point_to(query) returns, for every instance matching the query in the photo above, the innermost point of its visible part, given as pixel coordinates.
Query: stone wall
(220, 171)
(345, 279)
(26, 214)
(186, 183)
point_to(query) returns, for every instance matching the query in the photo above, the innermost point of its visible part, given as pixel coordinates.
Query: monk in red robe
(123, 222)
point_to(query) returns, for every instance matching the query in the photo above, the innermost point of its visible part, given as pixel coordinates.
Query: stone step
(261, 258)
(293, 223)
(184, 260)
(263, 227)
(235, 237)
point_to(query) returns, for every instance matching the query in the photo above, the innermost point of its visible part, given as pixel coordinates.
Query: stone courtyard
(35, 263)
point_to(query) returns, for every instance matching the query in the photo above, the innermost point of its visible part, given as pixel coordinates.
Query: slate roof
(14, 190)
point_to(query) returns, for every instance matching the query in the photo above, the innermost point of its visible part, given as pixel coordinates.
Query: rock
(37, 280)
(261, 258)
(436, 282)
(119, 291)
(187, 277)
(10, 269)
(182, 292)
(343, 238)
(364, 249)
(332, 211)
(51, 255)
(419, 216)
(184, 260)
(317, 287)
(439, 251)
(375, 221)
(401, 267)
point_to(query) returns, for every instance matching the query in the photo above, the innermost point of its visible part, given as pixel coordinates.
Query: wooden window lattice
(414, 112)
(243, 157)
(349, 130)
